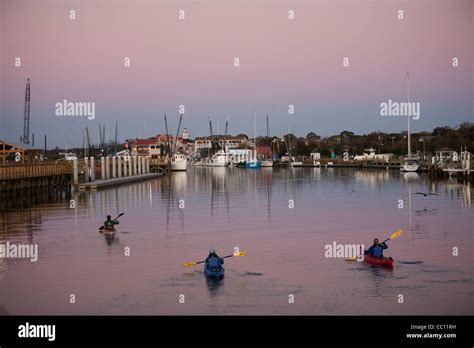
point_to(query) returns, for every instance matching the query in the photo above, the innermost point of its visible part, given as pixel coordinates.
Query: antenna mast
(26, 119)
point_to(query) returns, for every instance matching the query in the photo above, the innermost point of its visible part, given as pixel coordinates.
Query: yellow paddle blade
(189, 264)
(396, 234)
(241, 253)
(353, 258)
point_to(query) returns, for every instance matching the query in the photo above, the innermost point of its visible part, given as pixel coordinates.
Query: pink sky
(190, 62)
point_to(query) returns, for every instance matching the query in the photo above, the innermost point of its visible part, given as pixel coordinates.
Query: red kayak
(386, 262)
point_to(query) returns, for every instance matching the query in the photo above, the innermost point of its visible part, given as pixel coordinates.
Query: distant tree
(347, 134)
(312, 136)
(242, 136)
(302, 148)
(325, 151)
(442, 131)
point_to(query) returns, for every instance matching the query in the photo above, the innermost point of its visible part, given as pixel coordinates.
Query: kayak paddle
(393, 236)
(102, 227)
(189, 264)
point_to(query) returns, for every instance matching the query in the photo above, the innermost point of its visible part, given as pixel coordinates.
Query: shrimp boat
(179, 162)
(411, 163)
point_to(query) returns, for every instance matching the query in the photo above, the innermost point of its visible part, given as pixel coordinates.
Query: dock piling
(125, 166)
(102, 167)
(119, 166)
(107, 167)
(134, 165)
(114, 167)
(86, 169)
(75, 172)
(92, 175)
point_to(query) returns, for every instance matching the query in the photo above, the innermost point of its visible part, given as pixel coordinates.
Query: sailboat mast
(268, 138)
(408, 116)
(255, 135)
(225, 133)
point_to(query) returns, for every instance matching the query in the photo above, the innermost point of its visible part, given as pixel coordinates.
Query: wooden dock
(34, 170)
(22, 178)
(98, 184)
(32, 178)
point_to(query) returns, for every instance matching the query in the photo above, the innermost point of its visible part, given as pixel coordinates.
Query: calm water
(225, 208)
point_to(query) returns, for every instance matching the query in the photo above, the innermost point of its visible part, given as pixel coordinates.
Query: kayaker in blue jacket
(109, 223)
(213, 254)
(376, 250)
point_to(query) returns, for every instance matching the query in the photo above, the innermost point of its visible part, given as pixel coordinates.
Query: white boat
(370, 155)
(219, 159)
(179, 162)
(410, 165)
(296, 164)
(266, 163)
(411, 162)
(200, 163)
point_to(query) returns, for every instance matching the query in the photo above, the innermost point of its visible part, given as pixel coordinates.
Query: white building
(227, 142)
(186, 134)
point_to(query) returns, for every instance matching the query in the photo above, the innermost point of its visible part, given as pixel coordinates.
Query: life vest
(214, 264)
(377, 251)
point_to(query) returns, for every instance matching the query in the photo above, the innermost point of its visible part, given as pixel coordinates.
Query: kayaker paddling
(213, 265)
(376, 250)
(109, 224)
(374, 255)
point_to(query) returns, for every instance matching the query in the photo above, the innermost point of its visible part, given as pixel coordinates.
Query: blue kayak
(213, 269)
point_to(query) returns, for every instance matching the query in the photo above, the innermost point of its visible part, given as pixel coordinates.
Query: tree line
(396, 143)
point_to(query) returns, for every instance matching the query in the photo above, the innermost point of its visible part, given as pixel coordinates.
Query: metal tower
(26, 120)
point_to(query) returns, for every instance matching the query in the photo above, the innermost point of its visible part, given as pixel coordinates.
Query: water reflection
(410, 179)
(214, 286)
(110, 238)
(234, 206)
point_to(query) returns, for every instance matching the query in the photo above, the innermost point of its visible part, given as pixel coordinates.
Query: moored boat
(266, 163)
(411, 162)
(253, 164)
(179, 162)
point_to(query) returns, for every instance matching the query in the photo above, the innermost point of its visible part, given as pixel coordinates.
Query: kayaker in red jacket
(376, 250)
